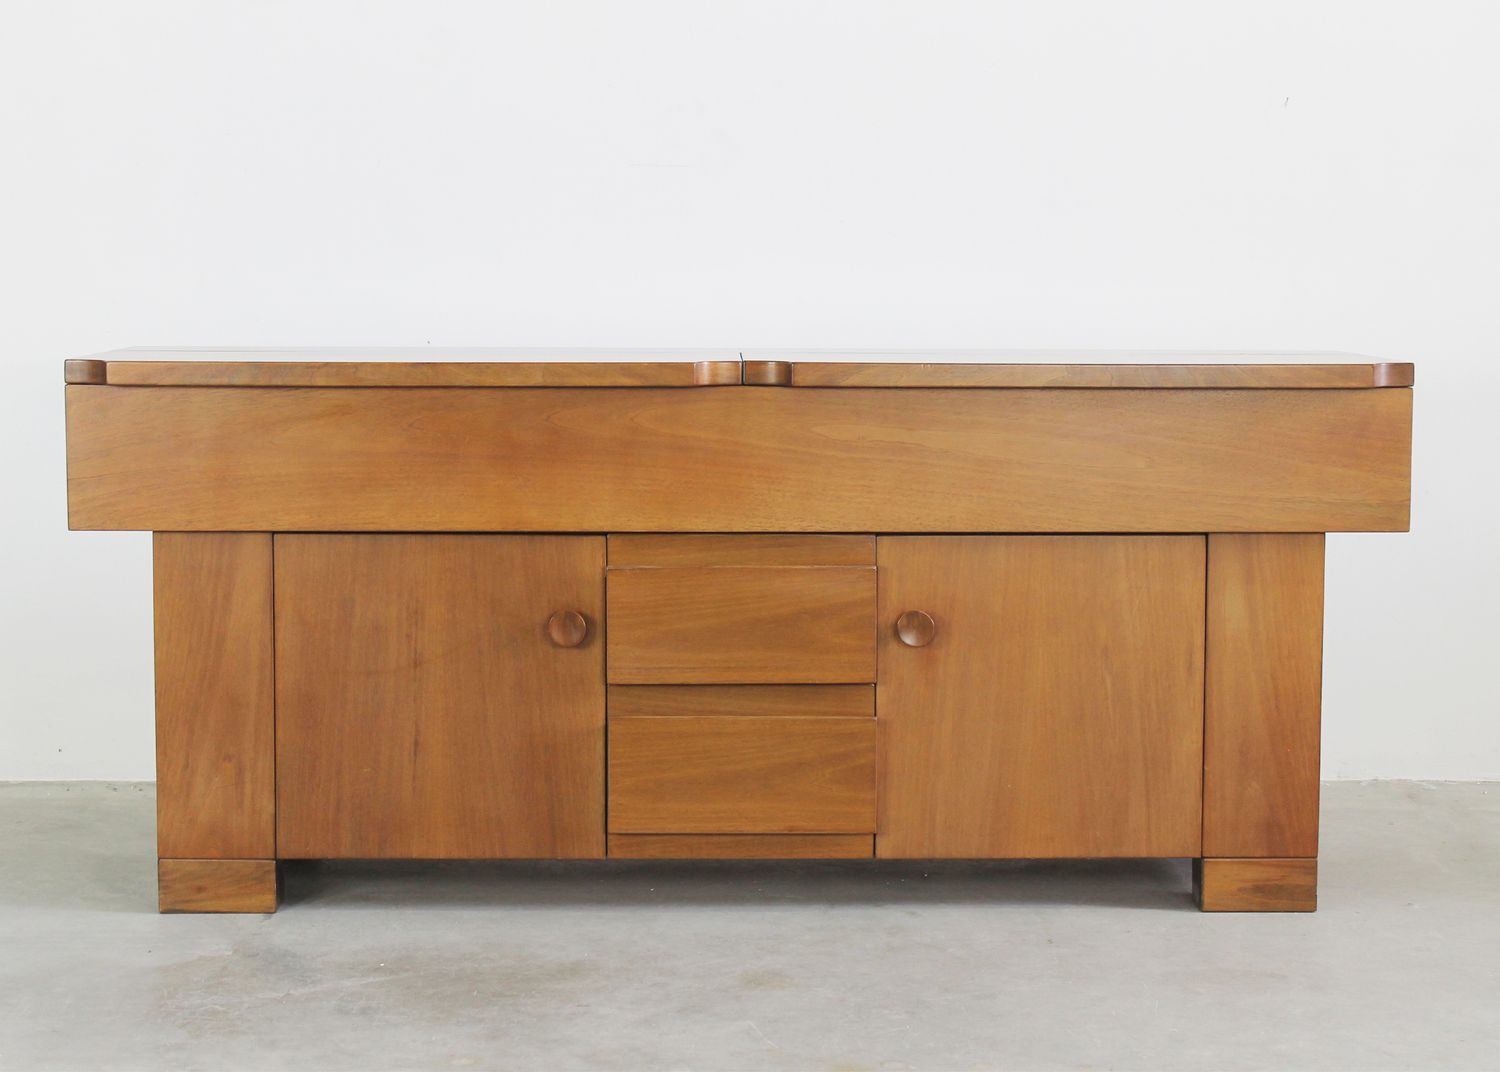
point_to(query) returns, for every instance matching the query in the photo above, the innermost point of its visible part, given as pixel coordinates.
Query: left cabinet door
(428, 706)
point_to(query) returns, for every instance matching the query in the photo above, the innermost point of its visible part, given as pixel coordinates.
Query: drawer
(748, 609)
(741, 624)
(741, 774)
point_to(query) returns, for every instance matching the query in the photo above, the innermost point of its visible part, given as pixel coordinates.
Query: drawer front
(741, 625)
(741, 774)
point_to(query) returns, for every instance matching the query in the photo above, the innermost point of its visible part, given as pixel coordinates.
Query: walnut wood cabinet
(736, 605)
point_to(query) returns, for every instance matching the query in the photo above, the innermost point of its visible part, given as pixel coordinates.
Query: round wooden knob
(567, 628)
(916, 629)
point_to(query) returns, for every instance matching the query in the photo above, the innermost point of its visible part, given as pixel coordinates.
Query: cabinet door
(424, 708)
(1057, 709)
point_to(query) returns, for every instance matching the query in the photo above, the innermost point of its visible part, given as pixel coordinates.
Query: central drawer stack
(741, 697)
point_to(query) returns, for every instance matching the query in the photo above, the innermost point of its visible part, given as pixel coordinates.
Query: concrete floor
(746, 966)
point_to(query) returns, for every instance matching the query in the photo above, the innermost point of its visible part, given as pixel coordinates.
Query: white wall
(1256, 175)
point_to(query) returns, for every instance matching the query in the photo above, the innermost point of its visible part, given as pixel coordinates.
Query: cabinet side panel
(1263, 695)
(215, 719)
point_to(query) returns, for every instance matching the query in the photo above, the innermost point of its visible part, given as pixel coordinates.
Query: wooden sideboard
(730, 605)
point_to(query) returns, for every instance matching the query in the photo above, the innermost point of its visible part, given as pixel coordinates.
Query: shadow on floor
(1163, 885)
(89, 846)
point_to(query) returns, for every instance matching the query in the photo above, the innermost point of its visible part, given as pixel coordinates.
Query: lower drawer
(741, 774)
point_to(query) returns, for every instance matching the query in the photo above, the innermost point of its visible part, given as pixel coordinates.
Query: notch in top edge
(768, 373)
(716, 373)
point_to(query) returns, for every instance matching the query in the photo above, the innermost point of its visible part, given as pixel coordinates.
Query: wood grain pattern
(741, 775)
(1261, 885)
(741, 846)
(418, 374)
(774, 549)
(741, 625)
(806, 701)
(216, 886)
(737, 459)
(215, 720)
(422, 711)
(1058, 712)
(1263, 695)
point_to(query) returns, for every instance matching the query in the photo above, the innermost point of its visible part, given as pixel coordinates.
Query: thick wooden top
(406, 367)
(441, 367)
(1071, 369)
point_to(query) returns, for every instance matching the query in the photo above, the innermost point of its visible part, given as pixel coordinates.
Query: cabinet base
(1219, 884)
(217, 885)
(1256, 885)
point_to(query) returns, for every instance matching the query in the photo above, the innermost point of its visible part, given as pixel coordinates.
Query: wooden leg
(1263, 684)
(217, 885)
(215, 720)
(1256, 885)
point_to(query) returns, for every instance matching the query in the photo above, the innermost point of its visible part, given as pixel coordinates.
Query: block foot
(217, 885)
(1256, 885)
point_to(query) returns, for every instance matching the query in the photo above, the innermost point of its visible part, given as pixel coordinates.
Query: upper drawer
(717, 620)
